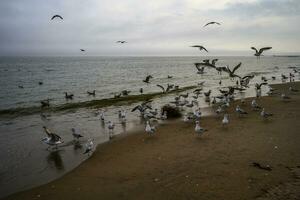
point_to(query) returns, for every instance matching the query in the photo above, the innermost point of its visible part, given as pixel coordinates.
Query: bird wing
(262, 84)
(161, 87)
(209, 23)
(254, 49)
(249, 76)
(204, 48)
(264, 49)
(54, 137)
(196, 46)
(214, 61)
(138, 107)
(55, 16)
(236, 67)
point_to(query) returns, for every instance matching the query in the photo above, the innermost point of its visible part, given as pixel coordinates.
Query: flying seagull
(82, 49)
(209, 23)
(57, 16)
(200, 47)
(121, 41)
(259, 53)
(231, 73)
(52, 138)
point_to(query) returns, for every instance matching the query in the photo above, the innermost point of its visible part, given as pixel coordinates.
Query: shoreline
(177, 164)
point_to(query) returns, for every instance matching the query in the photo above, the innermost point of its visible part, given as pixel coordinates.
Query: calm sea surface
(26, 163)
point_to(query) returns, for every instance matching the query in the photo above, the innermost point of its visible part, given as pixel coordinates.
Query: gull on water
(76, 133)
(52, 139)
(89, 147)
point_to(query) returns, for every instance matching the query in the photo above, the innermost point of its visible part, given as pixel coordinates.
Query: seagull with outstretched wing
(259, 52)
(200, 47)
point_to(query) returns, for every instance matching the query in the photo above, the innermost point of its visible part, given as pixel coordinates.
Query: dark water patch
(100, 103)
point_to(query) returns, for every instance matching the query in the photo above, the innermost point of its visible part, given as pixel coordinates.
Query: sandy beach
(175, 163)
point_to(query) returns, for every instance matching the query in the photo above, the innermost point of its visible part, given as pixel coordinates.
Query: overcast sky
(156, 27)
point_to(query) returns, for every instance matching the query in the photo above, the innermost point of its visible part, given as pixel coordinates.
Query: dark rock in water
(172, 112)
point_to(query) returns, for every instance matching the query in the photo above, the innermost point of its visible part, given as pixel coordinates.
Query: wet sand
(177, 164)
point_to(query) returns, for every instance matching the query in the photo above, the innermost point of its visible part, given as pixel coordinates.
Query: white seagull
(89, 147)
(149, 129)
(198, 129)
(225, 120)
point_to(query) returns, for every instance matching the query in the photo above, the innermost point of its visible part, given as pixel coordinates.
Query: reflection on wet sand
(54, 159)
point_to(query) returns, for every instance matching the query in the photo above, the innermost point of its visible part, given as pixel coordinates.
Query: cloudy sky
(156, 27)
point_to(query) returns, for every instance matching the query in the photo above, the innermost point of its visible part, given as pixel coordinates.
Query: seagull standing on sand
(76, 134)
(254, 105)
(225, 120)
(240, 111)
(198, 129)
(149, 129)
(264, 114)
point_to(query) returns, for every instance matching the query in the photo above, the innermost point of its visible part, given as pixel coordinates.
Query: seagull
(125, 92)
(264, 114)
(93, 93)
(147, 79)
(200, 69)
(101, 114)
(52, 138)
(292, 89)
(82, 50)
(240, 111)
(164, 115)
(209, 23)
(207, 94)
(254, 105)
(76, 134)
(57, 16)
(225, 120)
(111, 126)
(231, 73)
(121, 41)
(122, 115)
(259, 53)
(69, 96)
(141, 90)
(89, 147)
(200, 47)
(198, 129)
(142, 108)
(163, 89)
(45, 103)
(258, 86)
(149, 129)
(170, 76)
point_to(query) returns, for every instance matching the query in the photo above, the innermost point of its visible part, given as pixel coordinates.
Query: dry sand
(177, 164)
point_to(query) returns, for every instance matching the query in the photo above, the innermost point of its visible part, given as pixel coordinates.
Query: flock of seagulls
(185, 101)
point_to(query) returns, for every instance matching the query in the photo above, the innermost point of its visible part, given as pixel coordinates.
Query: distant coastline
(290, 56)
